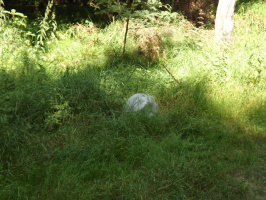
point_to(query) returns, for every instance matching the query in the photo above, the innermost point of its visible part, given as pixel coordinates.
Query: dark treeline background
(75, 10)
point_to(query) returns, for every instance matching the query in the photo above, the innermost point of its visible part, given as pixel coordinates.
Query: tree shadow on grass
(91, 145)
(33, 95)
(257, 116)
(34, 102)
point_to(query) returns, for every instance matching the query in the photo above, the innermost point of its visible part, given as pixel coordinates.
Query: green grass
(64, 135)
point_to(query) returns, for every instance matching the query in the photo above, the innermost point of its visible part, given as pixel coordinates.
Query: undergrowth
(64, 134)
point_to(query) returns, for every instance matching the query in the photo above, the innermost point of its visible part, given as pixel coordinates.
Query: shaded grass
(187, 153)
(131, 158)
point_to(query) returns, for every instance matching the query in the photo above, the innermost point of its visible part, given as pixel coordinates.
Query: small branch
(125, 39)
(170, 73)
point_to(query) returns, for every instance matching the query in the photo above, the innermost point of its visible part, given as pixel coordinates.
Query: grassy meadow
(64, 135)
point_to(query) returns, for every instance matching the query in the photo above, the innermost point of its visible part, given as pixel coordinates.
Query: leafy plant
(4, 14)
(46, 25)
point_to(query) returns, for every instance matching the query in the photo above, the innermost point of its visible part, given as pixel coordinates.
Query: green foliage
(64, 133)
(5, 15)
(46, 25)
(127, 9)
(243, 6)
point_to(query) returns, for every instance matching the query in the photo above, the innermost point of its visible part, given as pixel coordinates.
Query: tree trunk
(224, 22)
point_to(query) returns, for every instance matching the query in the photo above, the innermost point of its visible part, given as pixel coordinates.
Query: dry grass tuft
(149, 43)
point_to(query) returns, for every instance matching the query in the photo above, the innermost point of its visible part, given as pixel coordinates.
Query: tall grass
(64, 135)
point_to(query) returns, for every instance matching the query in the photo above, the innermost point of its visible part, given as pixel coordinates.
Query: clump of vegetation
(64, 133)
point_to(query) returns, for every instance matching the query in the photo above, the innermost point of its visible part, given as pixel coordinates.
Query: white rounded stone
(144, 102)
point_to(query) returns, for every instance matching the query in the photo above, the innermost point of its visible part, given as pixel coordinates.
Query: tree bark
(224, 22)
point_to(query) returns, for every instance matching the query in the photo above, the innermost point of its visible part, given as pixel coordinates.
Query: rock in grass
(142, 102)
